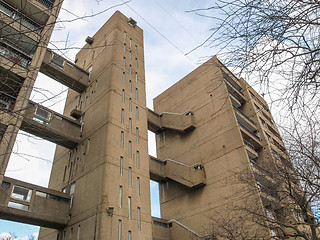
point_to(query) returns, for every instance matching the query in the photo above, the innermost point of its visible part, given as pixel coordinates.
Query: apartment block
(210, 127)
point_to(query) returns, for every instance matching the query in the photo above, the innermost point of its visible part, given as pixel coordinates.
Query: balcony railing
(250, 145)
(232, 83)
(47, 3)
(6, 101)
(14, 55)
(243, 114)
(247, 129)
(19, 17)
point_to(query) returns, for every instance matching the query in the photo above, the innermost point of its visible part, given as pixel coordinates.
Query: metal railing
(250, 145)
(6, 101)
(252, 133)
(14, 55)
(20, 17)
(229, 80)
(243, 114)
(47, 3)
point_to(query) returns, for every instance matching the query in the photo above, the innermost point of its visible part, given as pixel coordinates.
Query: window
(136, 93)
(136, 77)
(121, 166)
(130, 125)
(137, 113)
(130, 55)
(123, 95)
(130, 85)
(129, 207)
(129, 235)
(125, 35)
(120, 197)
(130, 42)
(130, 69)
(122, 115)
(136, 48)
(130, 104)
(138, 186)
(78, 235)
(123, 77)
(121, 140)
(119, 229)
(138, 218)
(40, 112)
(71, 233)
(124, 47)
(130, 177)
(130, 149)
(90, 71)
(137, 135)
(124, 61)
(136, 62)
(138, 159)
(21, 193)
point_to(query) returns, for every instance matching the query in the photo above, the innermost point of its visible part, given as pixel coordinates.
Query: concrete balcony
(160, 229)
(191, 176)
(32, 204)
(50, 125)
(233, 87)
(64, 71)
(234, 99)
(251, 150)
(20, 22)
(38, 10)
(14, 60)
(178, 122)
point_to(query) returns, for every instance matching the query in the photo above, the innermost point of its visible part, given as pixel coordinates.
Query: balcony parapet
(32, 204)
(178, 122)
(64, 71)
(191, 176)
(14, 55)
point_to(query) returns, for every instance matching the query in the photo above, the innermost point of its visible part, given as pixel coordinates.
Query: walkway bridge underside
(190, 176)
(32, 204)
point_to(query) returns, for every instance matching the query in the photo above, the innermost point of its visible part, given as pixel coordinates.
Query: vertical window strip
(130, 42)
(122, 140)
(138, 186)
(124, 47)
(139, 218)
(121, 166)
(130, 150)
(136, 77)
(129, 207)
(130, 69)
(119, 229)
(136, 49)
(136, 62)
(78, 234)
(123, 77)
(130, 177)
(138, 159)
(122, 115)
(137, 135)
(137, 113)
(129, 235)
(124, 61)
(123, 95)
(130, 104)
(125, 35)
(120, 197)
(137, 94)
(130, 55)
(130, 85)
(130, 125)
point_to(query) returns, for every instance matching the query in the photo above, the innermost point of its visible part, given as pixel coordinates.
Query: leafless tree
(275, 42)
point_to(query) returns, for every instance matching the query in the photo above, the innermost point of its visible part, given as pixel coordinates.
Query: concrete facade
(210, 128)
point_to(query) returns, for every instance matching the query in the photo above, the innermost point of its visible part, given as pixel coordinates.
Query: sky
(169, 32)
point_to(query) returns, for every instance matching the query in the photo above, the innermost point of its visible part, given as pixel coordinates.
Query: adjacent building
(211, 128)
